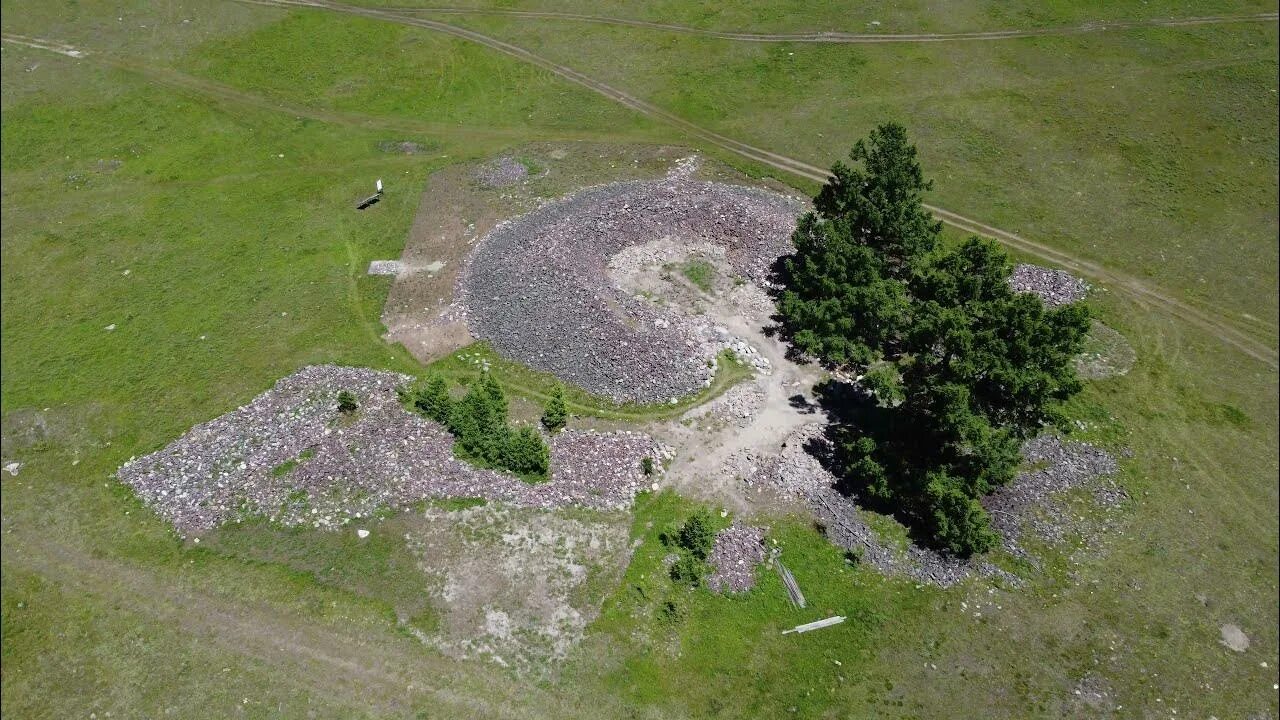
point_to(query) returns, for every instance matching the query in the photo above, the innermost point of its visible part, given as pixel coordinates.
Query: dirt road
(1219, 327)
(847, 37)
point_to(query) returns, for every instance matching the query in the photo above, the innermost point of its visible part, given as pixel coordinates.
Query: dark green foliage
(347, 403)
(480, 424)
(697, 535)
(687, 570)
(525, 453)
(646, 465)
(961, 368)
(845, 299)
(556, 414)
(432, 399)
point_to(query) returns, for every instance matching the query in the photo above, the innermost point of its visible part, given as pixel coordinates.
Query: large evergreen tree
(961, 367)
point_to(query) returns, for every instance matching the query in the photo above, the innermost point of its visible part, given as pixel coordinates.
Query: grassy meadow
(190, 182)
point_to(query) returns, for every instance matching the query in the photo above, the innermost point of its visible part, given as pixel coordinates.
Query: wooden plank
(816, 625)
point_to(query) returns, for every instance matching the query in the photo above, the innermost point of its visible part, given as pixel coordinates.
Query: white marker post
(815, 625)
(379, 186)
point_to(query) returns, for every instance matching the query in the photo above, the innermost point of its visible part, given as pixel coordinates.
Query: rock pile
(537, 287)
(501, 172)
(1054, 287)
(737, 551)
(291, 456)
(1028, 502)
(797, 472)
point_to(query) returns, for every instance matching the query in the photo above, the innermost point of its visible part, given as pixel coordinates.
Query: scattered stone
(386, 267)
(1234, 638)
(290, 456)
(403, 147)
(110, 327)
(797, 472)
(737, 551)
(501, 172)
(12, 468)
(536, 286)
(1054, 287)
(362, 533)
(1106, 354)
(1028, 502)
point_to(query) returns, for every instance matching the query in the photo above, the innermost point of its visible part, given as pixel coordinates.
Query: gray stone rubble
(1054, 287)
(537, 286)
(1015, 509)
(738, 550)
(290, 456)
(1058, 466)
(501, 172)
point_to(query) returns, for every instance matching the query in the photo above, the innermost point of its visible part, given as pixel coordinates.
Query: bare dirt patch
(1106, 354)
(518, 587)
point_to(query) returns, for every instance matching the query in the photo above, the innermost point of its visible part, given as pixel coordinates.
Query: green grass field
(191, 184)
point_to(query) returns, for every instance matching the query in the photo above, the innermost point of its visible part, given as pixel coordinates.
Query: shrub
(646, 466)
(479, 423)
(432, 399)
(687, 570)
(347, 403)
(556, 414)
(524, 453)
(696, 535)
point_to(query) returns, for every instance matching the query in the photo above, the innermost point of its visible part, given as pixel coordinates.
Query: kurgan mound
(290, 455)
(537, 287)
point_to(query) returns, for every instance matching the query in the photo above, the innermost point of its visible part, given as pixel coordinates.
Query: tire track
(1217, 327)
(847, 37)
(388, 676)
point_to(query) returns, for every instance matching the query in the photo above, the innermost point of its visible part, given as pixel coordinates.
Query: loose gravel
(501, 172)
(537, 286)
(291, 456)
(737, 551)
(1054, 287)
(1028, 504)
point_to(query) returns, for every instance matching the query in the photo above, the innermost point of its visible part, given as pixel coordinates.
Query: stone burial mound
(292, 456)
(537, 287)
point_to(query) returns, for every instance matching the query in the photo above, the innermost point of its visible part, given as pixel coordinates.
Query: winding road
(1220, 328)
(847, 37)
(1215, 324)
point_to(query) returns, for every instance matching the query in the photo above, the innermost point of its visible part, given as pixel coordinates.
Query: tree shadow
(853, 413)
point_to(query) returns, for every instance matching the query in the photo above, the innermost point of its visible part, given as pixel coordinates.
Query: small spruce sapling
(347, 403)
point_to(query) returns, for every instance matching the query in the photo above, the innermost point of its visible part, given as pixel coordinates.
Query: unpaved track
(1224, 330)
(846, 37)
(1218, 327)
(382, 675)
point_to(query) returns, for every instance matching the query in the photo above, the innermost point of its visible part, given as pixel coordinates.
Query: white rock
(362, 533)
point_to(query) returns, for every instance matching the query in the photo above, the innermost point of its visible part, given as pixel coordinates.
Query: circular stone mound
(537, 287)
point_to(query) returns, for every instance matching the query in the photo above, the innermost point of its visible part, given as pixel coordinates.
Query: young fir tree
(556, 414)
